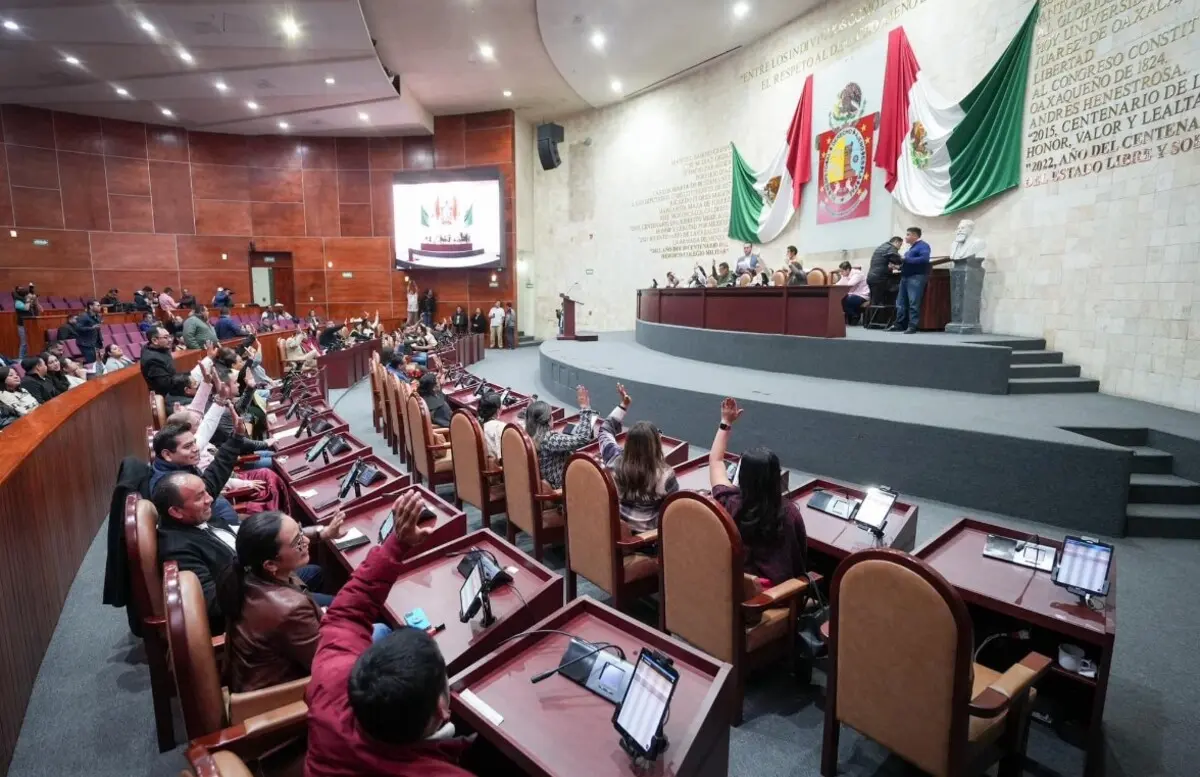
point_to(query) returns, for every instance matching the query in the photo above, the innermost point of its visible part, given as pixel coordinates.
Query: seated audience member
(380, 707)
(858, 294)
(479, 322)
(314, 321)
(271, 618)
(430, 390)
(158, 368)
(57, 376)
(112, 298)
(197, 331)
(489, 408)
(771, 528)
(227, 328)
(187, 300)
(112, 358)
(68, 331)
(35, 382)
(233, 370)
(554, 448)
(333, 337)
(396, 366)
(223, 298)
(797, 275)
(722, 275)
(141, 299)
(641, 474)
(267, 488)
(166, 302)
(215, 424)
(146, 324)
(251, 353)
(177, 450)
(672, 281)
(294, 353)
(12, 394)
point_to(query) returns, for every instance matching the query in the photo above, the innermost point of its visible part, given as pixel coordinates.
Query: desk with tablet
(292, 443)
(675, 451)
(431, 581)
(692, 475)
(301, 459)
(279, 421)
(317, 494)
(553, 727)
(368, 514)
(831, 539)
(1006, 597)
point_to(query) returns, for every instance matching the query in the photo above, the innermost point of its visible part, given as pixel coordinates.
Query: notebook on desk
(1020, 552)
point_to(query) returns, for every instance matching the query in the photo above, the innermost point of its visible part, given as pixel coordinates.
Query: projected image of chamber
(448, 219)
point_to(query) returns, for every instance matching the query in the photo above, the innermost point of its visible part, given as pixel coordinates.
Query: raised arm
(730, 413)
(611, 427)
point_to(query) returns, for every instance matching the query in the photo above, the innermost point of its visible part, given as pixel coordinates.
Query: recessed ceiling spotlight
(290, 28)
(185, 56)
(121, 91)
(221, 86)
(252, 105)
(740, 9)
(71, 60)
(486, 51)
(330, 80)
(508, 93)
(11, 26)
(616, 85)
(167, 112)
(363, 116)
(147, 27)
(598, 40)
(283, 125)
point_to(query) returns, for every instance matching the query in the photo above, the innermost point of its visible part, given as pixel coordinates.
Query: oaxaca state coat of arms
(844, 183)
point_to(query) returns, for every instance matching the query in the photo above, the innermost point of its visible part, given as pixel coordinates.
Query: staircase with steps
(524, 340)
(1034, 370)
(1161, 503)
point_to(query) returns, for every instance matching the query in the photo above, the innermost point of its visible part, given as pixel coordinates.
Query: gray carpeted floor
(90, 713)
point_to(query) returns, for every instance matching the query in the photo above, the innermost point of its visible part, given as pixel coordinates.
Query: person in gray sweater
(197, 331)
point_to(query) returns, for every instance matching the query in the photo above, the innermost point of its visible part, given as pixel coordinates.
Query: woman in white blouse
(11, 393)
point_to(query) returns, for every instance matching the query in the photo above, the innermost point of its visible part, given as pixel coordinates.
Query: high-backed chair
(406, 439)
(158, 410)
(779, 278)
(817, 277)
(432, 460)
(207, 711)
(744, 280)
(376, 391)
(599, 545)
(205, 763)
(710, 602)
(533, 509)
(141, 546)
(927, 702)
(710, 282)
(395, 403)
(475, 482)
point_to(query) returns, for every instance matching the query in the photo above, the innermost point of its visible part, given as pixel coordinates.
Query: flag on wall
(942, 156)
(763, 203)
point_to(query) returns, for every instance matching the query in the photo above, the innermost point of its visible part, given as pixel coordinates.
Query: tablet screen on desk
(644, 708)
(873, 511)
(1084, 565)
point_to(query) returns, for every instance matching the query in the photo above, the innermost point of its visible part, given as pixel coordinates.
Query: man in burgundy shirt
(380, 708)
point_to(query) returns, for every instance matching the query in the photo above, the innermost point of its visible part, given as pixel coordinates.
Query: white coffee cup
(1070, 657)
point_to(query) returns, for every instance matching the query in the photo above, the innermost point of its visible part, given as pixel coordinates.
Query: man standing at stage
(879, 273)
(914, 274)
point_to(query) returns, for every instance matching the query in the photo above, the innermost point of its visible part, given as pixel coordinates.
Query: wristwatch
(724, 426)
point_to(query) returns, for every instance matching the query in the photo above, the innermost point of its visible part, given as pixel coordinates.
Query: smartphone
(417, 619)
(570, 428)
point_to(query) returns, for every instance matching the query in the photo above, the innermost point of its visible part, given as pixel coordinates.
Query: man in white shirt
(858, 294)
(496, 321)
(413, 299)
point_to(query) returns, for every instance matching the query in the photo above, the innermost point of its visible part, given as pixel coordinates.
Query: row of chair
(816, 277)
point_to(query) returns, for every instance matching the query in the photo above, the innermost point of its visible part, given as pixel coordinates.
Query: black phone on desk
(389, 523)
(837, 505)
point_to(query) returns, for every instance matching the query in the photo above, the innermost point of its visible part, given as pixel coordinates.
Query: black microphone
(351, 476)
(537, 678)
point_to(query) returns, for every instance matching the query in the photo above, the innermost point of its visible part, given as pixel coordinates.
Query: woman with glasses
(640, 472)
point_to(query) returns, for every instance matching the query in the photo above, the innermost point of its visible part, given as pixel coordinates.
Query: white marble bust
(966, 243)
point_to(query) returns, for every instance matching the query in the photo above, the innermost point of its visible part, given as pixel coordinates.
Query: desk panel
(315, 494)
(812, 311)
(831, 539)
(293, 463)
(692, 475)
(674, 450)
(369, 514)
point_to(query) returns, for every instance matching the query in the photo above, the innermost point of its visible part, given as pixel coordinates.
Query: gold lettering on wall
(1090, 111)
(691, 218)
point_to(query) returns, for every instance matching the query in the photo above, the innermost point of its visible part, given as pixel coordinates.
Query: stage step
(1018, 345)
(1021, 371)
(1163, 520)
(524, 341)
(1037, 357)
(1152, 461)
(1162, 489)
(1052, 385)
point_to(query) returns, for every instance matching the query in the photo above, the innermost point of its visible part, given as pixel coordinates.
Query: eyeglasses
(299, 542)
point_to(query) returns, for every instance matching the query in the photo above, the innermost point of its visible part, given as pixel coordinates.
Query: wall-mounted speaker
(548, 138)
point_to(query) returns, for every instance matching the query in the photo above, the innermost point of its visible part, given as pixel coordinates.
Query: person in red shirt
(380, 708)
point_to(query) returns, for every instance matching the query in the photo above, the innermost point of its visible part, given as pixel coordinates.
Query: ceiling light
(252, 105)
(167, 112)
(121, 91)
(221, 86)
(508, 93)
(330, 80)
(290, 28)
(486, 51)
(71, 60)
(363, 117)
(185, 56)
(598, 40)
(616, 85)
(11, 26)
(148, 27)
(283, 125)
(740, 9)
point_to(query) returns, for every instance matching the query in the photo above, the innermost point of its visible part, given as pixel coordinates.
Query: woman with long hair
(772, 529)
(640, 472)
(233, 369)
(112, 358)
(554, 448)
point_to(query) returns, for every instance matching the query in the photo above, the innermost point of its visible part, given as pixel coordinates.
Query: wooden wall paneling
(204, 253)
(128, 280)
(342, 311)
(359, 253)
(73, 132)
(273, 151)
(166, 144)
(275, 185)
(488, 120)
(353, 154)
(387, 153)
(117, 251)
(321, 215)
(60, 283)
(127, 176)
(204, 283)
(491, 146)
(28, 126)
(271, 218)
(355, 220)
(448, 141)
(319, 153)
(124, 138)
(354, 186)
(171, 198)
(364, 286)
(210, 148)
(308, 253)
(310, 288)
(65, 250)
(220, 182)
(381, 203)
(130, 214)
(6, 204)
(418, 152)
(37, 207)
(223, 217)
(84, 190)
(34, 167)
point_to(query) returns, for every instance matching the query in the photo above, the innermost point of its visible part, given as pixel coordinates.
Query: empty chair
(779, 278)
(817, 277)
(134, 351)
(533, 507)
(132, 329)
(928, 702)
(474, 482)
(72, 348)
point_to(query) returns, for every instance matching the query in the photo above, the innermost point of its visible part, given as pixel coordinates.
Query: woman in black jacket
(55, 374)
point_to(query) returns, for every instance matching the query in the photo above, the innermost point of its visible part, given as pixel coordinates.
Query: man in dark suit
(87, 328)
(879, 274)
(158, 369)
(67, 331)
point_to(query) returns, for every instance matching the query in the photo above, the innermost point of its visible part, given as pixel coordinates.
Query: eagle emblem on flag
(920, 149)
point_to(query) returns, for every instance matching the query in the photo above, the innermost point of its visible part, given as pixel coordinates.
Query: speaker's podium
(568, 322)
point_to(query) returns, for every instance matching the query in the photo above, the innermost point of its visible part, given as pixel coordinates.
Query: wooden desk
(830, 539)
(278, 423)
(811, 311)
(369, 513)
(692, 475)
(293, 464)
(935, 304)
(325, 485)
(675, 451)
(431, 581)
(346, 367)
(559, 728)
(1007, 597)
(465, 399)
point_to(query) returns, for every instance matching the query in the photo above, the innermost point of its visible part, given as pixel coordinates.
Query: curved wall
(1098, 250)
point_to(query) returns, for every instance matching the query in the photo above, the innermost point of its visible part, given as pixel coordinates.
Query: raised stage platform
(1023, 456)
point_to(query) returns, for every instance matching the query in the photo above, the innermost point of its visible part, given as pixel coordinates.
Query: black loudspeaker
(549, 136)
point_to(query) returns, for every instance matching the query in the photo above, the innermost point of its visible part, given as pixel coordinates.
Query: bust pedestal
(966, 296)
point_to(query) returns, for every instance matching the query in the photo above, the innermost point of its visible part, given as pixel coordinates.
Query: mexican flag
(764, 202)
(942, 156)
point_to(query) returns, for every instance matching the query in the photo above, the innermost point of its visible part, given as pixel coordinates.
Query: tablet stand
(658, 746)
(485, 603)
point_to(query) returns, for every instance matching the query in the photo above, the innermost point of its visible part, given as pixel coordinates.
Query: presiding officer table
(812, 311)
